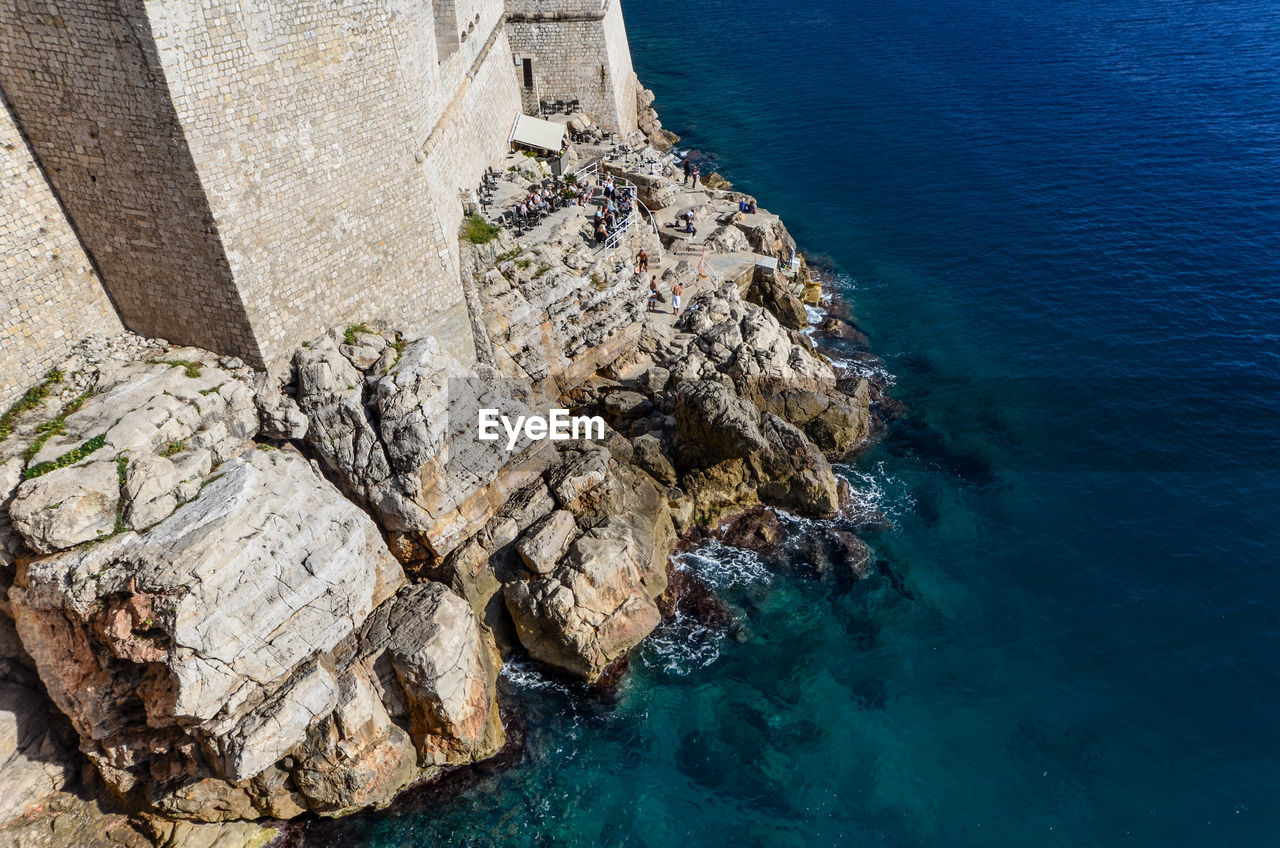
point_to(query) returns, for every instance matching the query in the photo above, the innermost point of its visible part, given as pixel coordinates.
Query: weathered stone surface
(648, 453)
(278, 414)
(745, 343)
(66, 507)
(716, 427)
(172, 419)
(150, 490)
(411, 447)
(770, 291)
(837, 424)
(67, 819)
(598, 601)
(428, 645)
(355, 757)
(206, 633)
(34, 761)
(541, 548)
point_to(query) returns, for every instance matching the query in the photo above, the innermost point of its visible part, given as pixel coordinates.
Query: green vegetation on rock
(477, 230)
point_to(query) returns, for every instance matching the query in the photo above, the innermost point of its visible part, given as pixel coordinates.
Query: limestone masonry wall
(245, 175)
(87, 88)
(579, 50)
(50, 296)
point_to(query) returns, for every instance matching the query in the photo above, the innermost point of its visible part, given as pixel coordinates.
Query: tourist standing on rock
(653, 294)
(688, 169)
(695, 173)
(676, 291)
(642, 261)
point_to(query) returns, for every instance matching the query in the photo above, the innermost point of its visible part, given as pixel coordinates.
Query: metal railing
(638, 210)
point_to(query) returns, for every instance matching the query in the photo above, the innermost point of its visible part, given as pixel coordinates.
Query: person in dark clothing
(642, 261)
(688, 169)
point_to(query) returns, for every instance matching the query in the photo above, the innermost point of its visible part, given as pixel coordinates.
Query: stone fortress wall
(242, 176)
(50, 295)
(578, 49)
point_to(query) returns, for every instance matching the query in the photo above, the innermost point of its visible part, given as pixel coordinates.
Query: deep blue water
(1059, 222)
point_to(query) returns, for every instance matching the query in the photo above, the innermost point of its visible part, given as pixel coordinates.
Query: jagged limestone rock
(407, 443)
(191, 657)
(67, 507)
(837, 424)
(598, 601)
(278, 414)
(184, 410)
(356, 756)
(745, 343)
(735, 445)
(770, 291)
(34, 760)
(429, 645)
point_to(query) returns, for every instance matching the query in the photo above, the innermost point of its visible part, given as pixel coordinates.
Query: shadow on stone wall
(88, 90)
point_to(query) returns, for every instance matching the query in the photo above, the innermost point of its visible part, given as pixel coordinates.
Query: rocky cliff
(253, 596)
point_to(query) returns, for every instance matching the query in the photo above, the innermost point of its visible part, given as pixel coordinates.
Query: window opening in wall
(528, 73)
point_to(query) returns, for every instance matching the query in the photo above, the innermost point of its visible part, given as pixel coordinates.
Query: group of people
(617, 208)
(654, 295)
(536, 203)
(691, 172)
(747, 205)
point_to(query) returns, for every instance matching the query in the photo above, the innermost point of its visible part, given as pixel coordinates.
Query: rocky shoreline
(253, 597)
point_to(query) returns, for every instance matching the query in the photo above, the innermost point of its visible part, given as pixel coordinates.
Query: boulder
(745, 343)
(541, 548)
(648, 453)
(832, 327)
(278, 414)
(192, 656)
(770, 290)
(356, 756)
(67, 507)
(428, 645)
(716, 426)
(599, 600)
(837, 424)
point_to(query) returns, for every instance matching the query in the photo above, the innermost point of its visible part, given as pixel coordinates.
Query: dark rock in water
(758, 530)
(833, 553)
(850, 557)
(860, 517)
(695, 600)
(607, 686)
(886, 570)
(832, 327)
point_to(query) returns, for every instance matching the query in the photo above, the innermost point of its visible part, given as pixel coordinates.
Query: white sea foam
(527, 676)
(682, 647)
(724, 566)
(875, 491)
(871, 369)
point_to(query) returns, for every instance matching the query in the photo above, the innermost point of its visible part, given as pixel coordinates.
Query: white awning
(535, 132)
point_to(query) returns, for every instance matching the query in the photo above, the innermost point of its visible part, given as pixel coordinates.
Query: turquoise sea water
(1059, 222)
